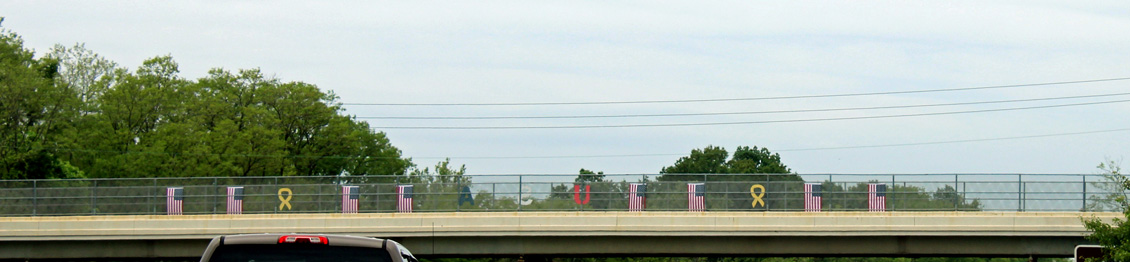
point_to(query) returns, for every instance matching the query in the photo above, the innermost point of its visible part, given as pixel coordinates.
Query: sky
(436, 52)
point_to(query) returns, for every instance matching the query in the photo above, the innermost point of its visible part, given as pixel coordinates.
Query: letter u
(577, 195)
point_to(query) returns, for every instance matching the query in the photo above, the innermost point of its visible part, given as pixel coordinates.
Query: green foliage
(784, 191)
(75, 113)
(439, 190)
(1116, 185)
(87, 74)
(34, 114)
(1115, 236)
(713, 160)
(838, 196)
(754, 165)
(588, 176)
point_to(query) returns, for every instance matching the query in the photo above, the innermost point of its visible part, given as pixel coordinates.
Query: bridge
(977, 234)
(945, 215)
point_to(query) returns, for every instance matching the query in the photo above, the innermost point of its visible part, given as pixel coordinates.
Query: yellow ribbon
(757, 196)
(285, 201)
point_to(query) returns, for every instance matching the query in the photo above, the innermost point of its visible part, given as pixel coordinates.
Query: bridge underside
(748, 246)
(604, 246)
(571, 234)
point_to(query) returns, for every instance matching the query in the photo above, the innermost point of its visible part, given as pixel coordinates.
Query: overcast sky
(573, 51)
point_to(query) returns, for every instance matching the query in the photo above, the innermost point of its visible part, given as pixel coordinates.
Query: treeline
(74, 114)
(728, 178)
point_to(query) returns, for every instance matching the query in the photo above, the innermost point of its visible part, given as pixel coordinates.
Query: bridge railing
(486, 193)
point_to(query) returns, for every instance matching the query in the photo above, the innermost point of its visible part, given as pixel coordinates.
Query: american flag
(637, 199)
(349, 197)
(696, 193)
(812, 197)
(877, 197)
(404, 198)
(174, 200)
(235, 200)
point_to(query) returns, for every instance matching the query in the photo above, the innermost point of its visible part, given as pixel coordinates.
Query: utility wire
(822, 148)
(730, 113)
(747, 122)
(955, 141)
(740, 99)
(607, 155)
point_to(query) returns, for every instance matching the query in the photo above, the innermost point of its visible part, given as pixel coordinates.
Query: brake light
(304, 240)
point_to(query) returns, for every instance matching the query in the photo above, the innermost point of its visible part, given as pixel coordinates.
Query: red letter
(577, 195)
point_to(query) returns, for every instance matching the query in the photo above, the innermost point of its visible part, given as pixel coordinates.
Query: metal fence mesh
(484, 193)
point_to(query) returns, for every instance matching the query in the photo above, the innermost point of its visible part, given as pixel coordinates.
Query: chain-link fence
(484, 193)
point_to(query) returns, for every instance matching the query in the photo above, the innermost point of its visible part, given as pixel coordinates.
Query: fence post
(34, 197)
(276, 188)
(154, 198)
(519, 193)
(955, 199)
(767, 186)
(93, 199)
(824, 191)
(1020, 192)
(891, 193)
(1084, 208)
(216, 194)
(396, 203)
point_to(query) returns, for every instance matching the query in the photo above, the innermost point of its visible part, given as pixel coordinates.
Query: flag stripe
(235, 200)
(174, 200)
(696, 194)
(812, 197)
(877, 197)
(637, 198)
(349, 197)
(404, 198)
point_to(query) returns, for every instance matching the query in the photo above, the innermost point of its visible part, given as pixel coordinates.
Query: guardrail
(484, 193)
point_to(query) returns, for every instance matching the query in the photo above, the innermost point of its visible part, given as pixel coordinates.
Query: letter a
(465, 196)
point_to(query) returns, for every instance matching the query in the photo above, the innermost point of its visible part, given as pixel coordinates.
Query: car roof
(332, 240)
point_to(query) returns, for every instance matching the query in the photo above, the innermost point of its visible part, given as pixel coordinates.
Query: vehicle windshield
(298, 253)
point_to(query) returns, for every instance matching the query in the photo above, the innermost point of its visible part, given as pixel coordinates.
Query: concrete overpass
(498, 234)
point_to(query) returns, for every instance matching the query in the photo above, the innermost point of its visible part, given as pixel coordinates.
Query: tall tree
(83, 71)
(34, 113)
(75, 110)
(130, 114)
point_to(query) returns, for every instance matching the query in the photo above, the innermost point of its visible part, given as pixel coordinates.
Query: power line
(606, 155)
(821, 148)
(956, 141)
(729, 113)
(747, 122)
(740, 99)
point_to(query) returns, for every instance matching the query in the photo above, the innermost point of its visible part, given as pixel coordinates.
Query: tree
(439, 189)
(83, 71)
(35, 114)
(75, 110)
(753, 165)
(709, 160)
(713, 160)
(1114, 237)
